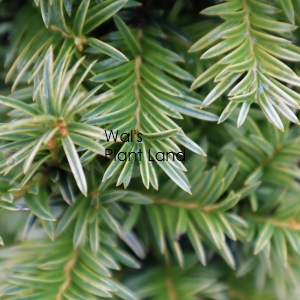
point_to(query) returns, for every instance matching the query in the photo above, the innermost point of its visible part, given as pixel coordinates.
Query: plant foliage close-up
(149, 149)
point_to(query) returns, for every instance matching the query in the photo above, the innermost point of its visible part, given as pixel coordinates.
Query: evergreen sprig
(257, 42)
(78, 224)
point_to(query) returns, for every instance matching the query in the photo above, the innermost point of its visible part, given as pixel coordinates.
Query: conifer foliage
(117, 178)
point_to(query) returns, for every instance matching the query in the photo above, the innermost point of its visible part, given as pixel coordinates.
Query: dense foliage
(220, 223)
